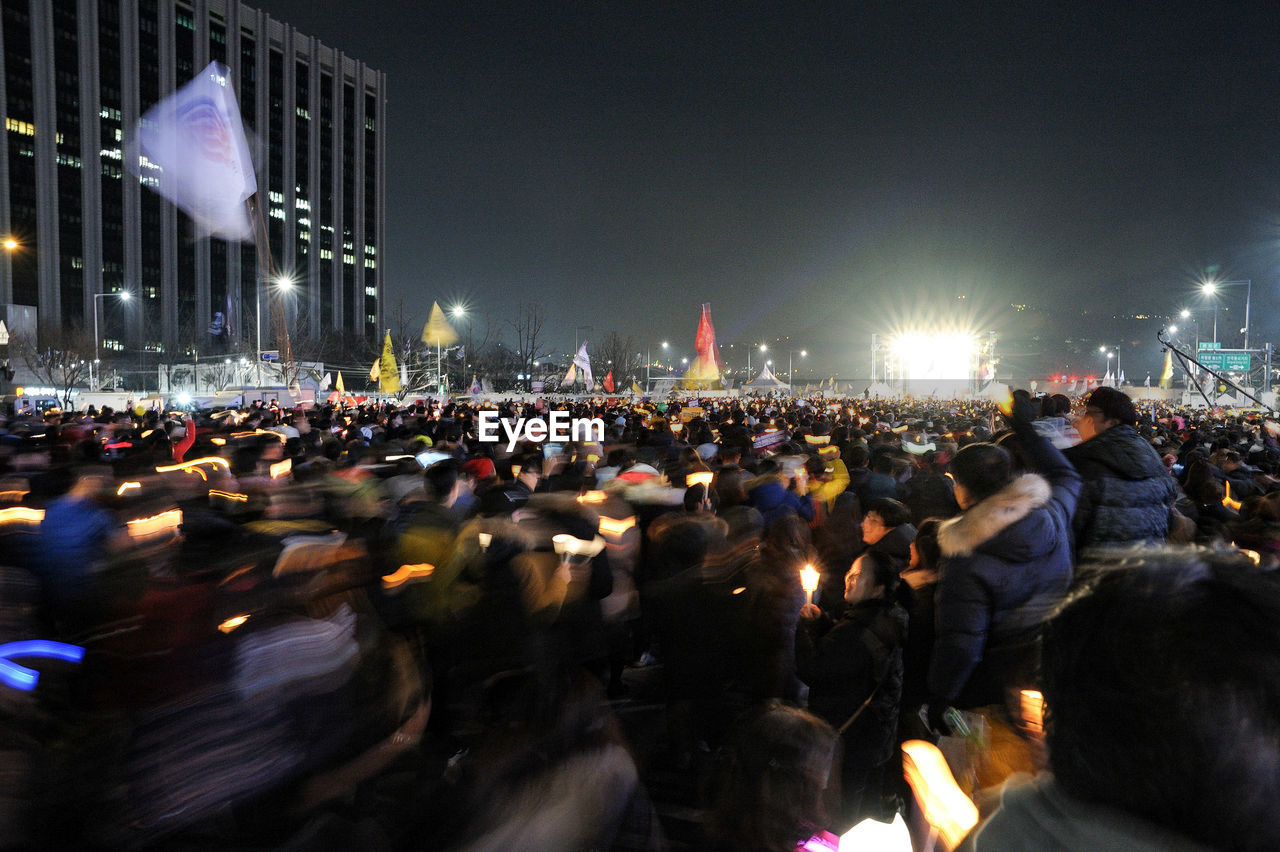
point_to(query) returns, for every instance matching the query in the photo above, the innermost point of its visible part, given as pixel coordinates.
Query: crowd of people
(365, 627)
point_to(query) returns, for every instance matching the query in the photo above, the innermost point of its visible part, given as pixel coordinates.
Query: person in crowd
(921, 577)
(1191, 628)
(853, 668)
(507, 498)
(880, 481)
(1127, 492)
(1005, 563)
(931, 493)
(773, 493)
(771, 789)
(1054, 421)
(78, 534)
(887, 529)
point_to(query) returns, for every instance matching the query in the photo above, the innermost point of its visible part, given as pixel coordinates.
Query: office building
(77, 224)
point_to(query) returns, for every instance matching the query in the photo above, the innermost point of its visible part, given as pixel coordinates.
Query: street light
(123, 295)
(1210, 288)
(763, 348)
(804, 353)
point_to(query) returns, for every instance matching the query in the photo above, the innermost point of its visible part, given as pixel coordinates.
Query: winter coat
(775, 502)
(1006, 562)
(896, 544)
(844, 665)
(1127, 490)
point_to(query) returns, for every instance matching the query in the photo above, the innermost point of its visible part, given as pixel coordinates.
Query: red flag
(705, 342)
(608, 382)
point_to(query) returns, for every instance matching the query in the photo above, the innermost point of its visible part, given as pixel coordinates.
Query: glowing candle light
(808, 582)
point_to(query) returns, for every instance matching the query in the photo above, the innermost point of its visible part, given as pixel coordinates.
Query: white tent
(766, 381)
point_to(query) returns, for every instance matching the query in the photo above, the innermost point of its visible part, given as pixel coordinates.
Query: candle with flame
(808, 582)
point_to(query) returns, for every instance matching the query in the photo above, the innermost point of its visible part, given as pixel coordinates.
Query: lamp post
(1113, 353)
(1210, 288)
(458, 313)
(124, 296)
(763, 348)
(804, 353)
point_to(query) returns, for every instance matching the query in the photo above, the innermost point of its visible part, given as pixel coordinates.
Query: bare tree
(527, 326)
(63, 362)
(618, 354)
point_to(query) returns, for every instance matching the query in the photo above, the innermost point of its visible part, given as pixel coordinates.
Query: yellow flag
(437, 332)
(1166, 377)
(340, 387)
(374, 372)
(390, 374)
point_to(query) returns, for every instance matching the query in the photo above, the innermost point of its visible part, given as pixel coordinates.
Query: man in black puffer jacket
(1127, 490)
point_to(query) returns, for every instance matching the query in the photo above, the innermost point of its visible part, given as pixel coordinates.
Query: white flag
(191, 148)
(584, 364)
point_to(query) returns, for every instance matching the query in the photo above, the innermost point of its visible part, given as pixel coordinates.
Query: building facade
(78, 74)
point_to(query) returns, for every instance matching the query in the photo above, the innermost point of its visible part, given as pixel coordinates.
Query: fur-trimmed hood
(964, 534)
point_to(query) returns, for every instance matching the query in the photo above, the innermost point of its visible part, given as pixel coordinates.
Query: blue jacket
(775, 502)
(1006, 562)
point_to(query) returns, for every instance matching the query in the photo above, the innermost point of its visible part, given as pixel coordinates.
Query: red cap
(481, 468)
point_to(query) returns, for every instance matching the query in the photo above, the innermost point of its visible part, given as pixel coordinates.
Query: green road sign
(1225, 360)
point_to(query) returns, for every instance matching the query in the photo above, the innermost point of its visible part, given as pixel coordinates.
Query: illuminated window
(302, 204)
(326, 254)
(371, 291)
(26, 128)
(302, 113)
(369, 263)
(370, 250)
(277, 197)
(349, 259)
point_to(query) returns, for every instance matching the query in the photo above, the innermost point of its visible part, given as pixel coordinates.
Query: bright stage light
(935, 355)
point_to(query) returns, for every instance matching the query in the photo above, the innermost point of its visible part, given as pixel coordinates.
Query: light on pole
(763, 348)
(1210, 288)
(123, 295)
(804, 353)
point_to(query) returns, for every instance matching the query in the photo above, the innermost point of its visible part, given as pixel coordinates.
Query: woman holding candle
(853, 667)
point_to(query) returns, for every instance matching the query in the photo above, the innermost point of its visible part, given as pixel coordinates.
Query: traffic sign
(1226, 359)
(271, 355)
(1210, 344)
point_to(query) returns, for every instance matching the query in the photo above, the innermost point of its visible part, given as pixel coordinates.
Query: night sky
(823, 171)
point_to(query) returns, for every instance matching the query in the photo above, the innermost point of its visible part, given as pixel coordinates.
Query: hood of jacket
(896, 543)
(1121, 451)
(1008, 521)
